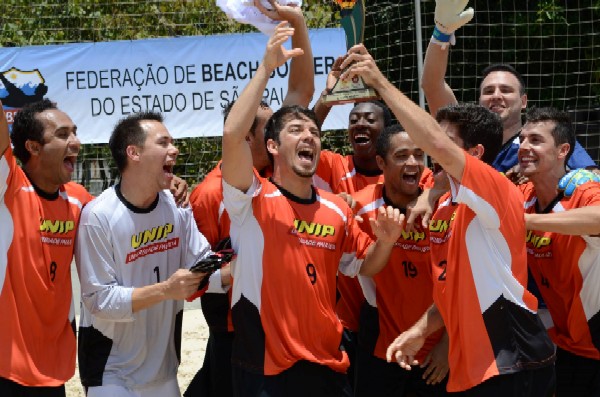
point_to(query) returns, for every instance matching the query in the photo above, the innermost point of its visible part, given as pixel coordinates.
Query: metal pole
(419, 38)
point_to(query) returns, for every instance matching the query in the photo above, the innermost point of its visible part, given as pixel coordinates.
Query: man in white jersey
(133, 252)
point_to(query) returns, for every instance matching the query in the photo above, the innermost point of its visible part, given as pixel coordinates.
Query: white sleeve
(215, 285)
(237, 203)
(100, 290)
(196, 246)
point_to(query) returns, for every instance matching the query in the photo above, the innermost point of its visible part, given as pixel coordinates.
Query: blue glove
(574, 178)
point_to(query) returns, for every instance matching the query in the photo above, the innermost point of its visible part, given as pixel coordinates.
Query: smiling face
(56, 156)
(299, 146)
(500, 93)
(365, 125)
(403, 165)
(538, 152)
(158, 155)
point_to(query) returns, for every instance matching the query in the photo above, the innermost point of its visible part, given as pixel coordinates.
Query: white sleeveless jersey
(121, 247)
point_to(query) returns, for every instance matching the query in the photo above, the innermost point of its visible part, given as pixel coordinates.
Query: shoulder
(77, 191)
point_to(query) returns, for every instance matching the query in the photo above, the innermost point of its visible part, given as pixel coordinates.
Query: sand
(193, 346)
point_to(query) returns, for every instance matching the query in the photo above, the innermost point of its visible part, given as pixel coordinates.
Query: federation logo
(19, 88)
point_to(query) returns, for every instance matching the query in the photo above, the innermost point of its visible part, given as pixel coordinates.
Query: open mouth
(410, 178)
(69, 163)
(306, 155)
(362, 138)
(168, 170)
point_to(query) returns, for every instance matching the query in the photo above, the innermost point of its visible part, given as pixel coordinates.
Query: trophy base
(350, 96)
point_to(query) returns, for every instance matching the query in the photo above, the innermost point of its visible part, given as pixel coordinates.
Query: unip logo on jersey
(19, 88)
(151, 235)
(537, 241)
(313, 228)
(441, 225)
(56, 226)
(414, 235)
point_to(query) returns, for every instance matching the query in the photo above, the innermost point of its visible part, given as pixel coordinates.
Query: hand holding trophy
(355, 89)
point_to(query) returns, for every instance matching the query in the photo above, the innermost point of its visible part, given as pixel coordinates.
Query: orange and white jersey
(37, 238)
(289, 252)
(399, 294)
(337, 174)
(567, 271)
(479, 268)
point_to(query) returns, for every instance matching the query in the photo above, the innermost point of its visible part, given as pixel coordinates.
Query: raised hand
(450, 15)
(279, 12)
(276, 55)
(359, 62)
(388, 225)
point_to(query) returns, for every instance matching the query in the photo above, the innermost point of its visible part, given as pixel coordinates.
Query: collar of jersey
(43, 194)
(295, 198)
(132, 207)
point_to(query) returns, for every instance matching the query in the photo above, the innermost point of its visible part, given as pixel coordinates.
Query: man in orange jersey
(291, 239)
(498, 344)
(214, 378)
(39, 213)
(563, 249)
(397, 296)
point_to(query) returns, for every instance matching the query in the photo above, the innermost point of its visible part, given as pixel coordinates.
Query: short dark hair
(387, 115)
(281, 117)
(227, 110)
(128, 131)
(27, 127)
(563, 131)
(503, 67)
(382, 146)
(476, 125)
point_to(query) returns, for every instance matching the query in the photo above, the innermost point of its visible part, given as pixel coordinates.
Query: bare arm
(437, 92)
(406, 346)
(424, 131)
(450, 15)
(584, 221)
(301, 82)
(321, 109)
(179, 286)
(237, 158)
(4, 137)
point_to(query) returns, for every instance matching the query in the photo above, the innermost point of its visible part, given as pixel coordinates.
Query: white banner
(188, 79)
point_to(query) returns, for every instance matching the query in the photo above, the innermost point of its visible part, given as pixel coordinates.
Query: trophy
(354, 90)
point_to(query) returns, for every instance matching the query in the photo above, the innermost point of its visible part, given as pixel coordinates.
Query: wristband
(441, 36)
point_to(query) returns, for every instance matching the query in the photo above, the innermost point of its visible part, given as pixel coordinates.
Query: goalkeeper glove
(574, 178)
(449, 16)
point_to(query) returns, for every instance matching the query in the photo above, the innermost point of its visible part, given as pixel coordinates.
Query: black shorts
(8, 388)
(303, 379)
(539, 382)
(576, 375)
(376, 377)
(350, 345)
(214, 378)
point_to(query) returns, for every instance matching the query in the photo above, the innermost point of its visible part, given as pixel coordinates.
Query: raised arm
(449, 16)
(437, 92)
(301, 82)
(424, 131)
(237, 158)
(321, 109)
(4, 137)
